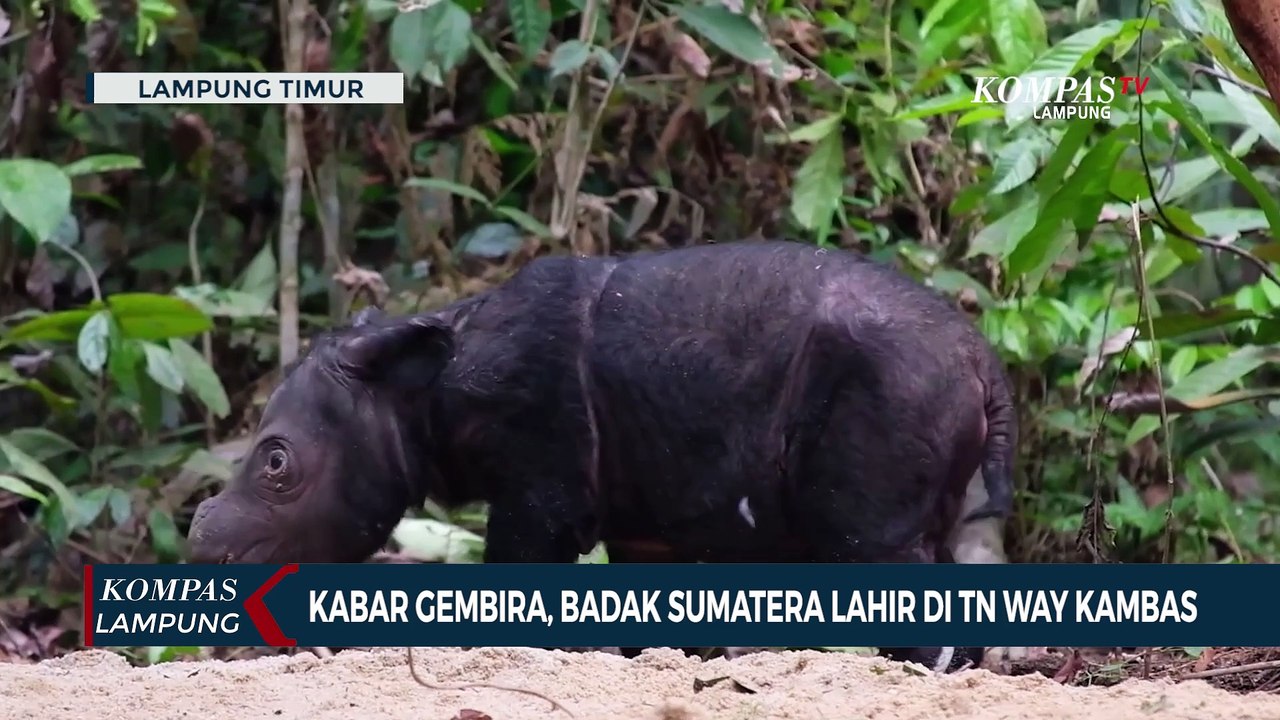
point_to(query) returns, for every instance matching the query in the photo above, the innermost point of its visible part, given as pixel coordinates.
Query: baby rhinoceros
(740, 402)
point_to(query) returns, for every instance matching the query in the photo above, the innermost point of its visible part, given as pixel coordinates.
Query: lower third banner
(648, 605)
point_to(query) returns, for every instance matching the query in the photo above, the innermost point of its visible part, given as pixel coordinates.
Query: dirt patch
(659, 685)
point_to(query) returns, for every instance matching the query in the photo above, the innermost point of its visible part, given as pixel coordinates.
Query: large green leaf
(1212, 378)
(1064, 155)
(102, 163)
(35, 471)
(200, 377)
(731, 32)
(531, 23)
(1176, 324)
(163, 368)
(819, 183)
(1253, 113)
(141, 316)
(1177, 108)
(18, 486)
(1087, 184)
(408, 41)
(1063, 59)
(937, 12)
(448, 186)
(91, 346)
(1014, 165)
(1000, 238)
(165, 538)
(955, 23)
(36, 194)
(1014, 31)
(434, 541)
(450, 34)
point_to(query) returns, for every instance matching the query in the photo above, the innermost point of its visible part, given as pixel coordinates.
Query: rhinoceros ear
(366, 316)
(408, 353)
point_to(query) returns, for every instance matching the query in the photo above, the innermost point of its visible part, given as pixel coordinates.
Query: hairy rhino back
(697, 367)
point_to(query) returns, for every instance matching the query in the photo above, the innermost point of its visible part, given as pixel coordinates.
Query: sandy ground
(659, 685)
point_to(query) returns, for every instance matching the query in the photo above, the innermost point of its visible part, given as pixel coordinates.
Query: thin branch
(1196, 68)
(413, 670)
(1219, 672)
(1144, 311)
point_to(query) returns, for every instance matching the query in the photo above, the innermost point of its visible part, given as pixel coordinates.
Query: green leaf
(1089, 181)
(1182, 362)
(1213, 377)
(215, 301)
(1064, 155)
(493, 60)
(200, 377)
(1177, 108)
(207, 464)
(41, 443)
(86, 10)
(940, 105)
(92, 343)
(162, 367)
(731, 32)
(450, 34)
(1009, 22)
(434, 541)
(142, 316)
(938, 10)
(525, 220)
(408, 41)
(448, 186)
(35, 471)
(18, 486)
(120, 505)
(122, 363)
(1015, 164)
(1063, 59)
(812, 132)
(1253, 112)
(491, 240)
(261, 278)
(599, 555)
(1000, 238)
(36, 193)
(1230, 221)
(102, 163)
(164, 534)
(819, 183)
(954, 25)
(1173, 325)
(568, 57)
(531, 24)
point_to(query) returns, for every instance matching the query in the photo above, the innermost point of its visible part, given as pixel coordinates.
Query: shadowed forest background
(158, 264)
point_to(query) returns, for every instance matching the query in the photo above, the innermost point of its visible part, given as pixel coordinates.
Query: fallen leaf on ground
(1073, 665)
(1205, 660)
(700, 685)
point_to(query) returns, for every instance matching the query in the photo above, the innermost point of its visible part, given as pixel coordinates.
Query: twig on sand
(413, 670)
(1218, 672)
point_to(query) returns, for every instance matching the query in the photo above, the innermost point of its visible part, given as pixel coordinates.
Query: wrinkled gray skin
(741, 402)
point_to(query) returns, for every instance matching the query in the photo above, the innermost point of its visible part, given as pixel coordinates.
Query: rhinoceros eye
(277, 462)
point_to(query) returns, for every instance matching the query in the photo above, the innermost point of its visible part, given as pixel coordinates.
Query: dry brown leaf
(1073, 665)
(690, 54)
(1205, 659)
(316, 55)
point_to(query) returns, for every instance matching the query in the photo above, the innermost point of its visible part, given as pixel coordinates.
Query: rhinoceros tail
(997, 450)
